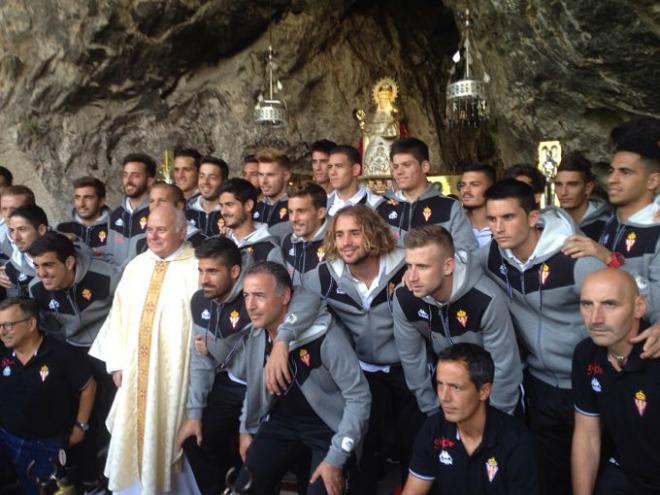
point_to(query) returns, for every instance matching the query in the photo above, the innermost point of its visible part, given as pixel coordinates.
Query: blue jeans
(22, 451)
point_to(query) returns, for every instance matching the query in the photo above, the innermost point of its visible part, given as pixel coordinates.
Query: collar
(172, 256)
(317, 235)
(489, 436)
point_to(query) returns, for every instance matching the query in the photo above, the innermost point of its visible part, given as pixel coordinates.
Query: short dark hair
(477, 360)
(528, 170)
(250, 159)
(484, 168)
(416, 147)
(430, 234)
(188, 153)
(29, 307)
(576, 162)
(148, 162)
(88, 181)
(351, 152)
(313, 190)
(53, 242)
(20, 190)
(512, 188)
(277, 270)
(642, 136)
(322, 145)
(6, 173)
(34, 214)
(242, 189)
(218, 162)
(220, 248)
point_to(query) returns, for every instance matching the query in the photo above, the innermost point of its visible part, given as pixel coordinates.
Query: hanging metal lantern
(271, 111)
(466, 98)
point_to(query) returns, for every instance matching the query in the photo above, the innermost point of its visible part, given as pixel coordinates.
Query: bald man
(145, 344)
(162, 193)
(615, 390)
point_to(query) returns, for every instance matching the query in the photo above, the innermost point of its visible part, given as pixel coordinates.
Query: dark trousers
(23, 451)
(219, 450)
(85, 457)
(393, 409)
(277, 447)
(550, 417)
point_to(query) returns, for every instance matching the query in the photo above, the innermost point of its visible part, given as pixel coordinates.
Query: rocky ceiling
(83, 82)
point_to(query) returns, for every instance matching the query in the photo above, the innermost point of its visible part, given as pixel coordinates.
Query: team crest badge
(491, 469)
(249, 250)
(445, 458)
(282, 213)
(234, 316)
(320, 253)
(43, 373)
(304, 357)
(630, 241)
(86, 294)
(427, 213)
(54, 305)
(206, 315)
(102, 235)
(392, 216)
(595, 385)
(545, 273)
(640, 402)
(143, 222)
(462, 317)
(221, 222)
(390, 288)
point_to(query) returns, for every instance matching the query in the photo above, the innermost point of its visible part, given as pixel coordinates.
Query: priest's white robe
(147, 336)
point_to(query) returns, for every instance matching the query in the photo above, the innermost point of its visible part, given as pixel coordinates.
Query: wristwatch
(616, 260)
(82, 426)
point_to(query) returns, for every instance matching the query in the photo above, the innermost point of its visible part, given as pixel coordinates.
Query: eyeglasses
(9, 325)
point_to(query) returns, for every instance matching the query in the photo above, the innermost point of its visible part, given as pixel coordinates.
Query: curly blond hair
(376, 235)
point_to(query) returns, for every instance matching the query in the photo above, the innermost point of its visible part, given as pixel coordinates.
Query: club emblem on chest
(43, 373)
(320, 253)
(630, 241)
(234, 316)
(102, 235)
(462, 317)
(545, 273)
(86, 294)
(143, 222)
(305, 357)
(282, 213)
(491, 469)
(640, 402)
(426, 212)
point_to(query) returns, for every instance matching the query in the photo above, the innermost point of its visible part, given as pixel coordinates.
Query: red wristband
(616, 260)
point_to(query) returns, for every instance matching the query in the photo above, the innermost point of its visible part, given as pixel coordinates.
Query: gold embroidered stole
(144, 348)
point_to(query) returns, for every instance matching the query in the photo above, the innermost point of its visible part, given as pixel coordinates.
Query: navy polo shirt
(628, 404)
(40, 399)
(504, 463)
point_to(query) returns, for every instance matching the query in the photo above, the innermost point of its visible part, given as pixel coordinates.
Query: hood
(23, 262)
(430, 192)
(596, 210)
(393, 261)
(83, 261)
(195, 203)
(141, 206)
(191, 230)
(103, 217)
(464, 278)
(646, 217)
(557, 225)
(259, 235)
(318, 235)
(184, 252)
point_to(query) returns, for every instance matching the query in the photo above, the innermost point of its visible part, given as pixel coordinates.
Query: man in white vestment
(145, 344)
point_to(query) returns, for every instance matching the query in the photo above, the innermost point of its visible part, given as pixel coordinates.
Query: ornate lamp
(271, 111)
(466, 98)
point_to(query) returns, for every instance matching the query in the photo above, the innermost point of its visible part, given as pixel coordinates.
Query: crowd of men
(220, 325)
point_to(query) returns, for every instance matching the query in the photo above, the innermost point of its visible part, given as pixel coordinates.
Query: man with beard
(204, 211)
(186, 170)
(237, 200)
(274, 175)
(320, 156)
(303, 248)
(90, 217)
(129, 219)
(574, 184)
(362, 268)
(631, 236)
(476, 178)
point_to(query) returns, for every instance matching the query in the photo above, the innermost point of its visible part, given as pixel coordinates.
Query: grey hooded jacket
(302, 256)
(327, 371)
(371, 328)
(594, 218)
(475, 313)
(431, 208)
(638, 240)
(259, 245)
(544, 295)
